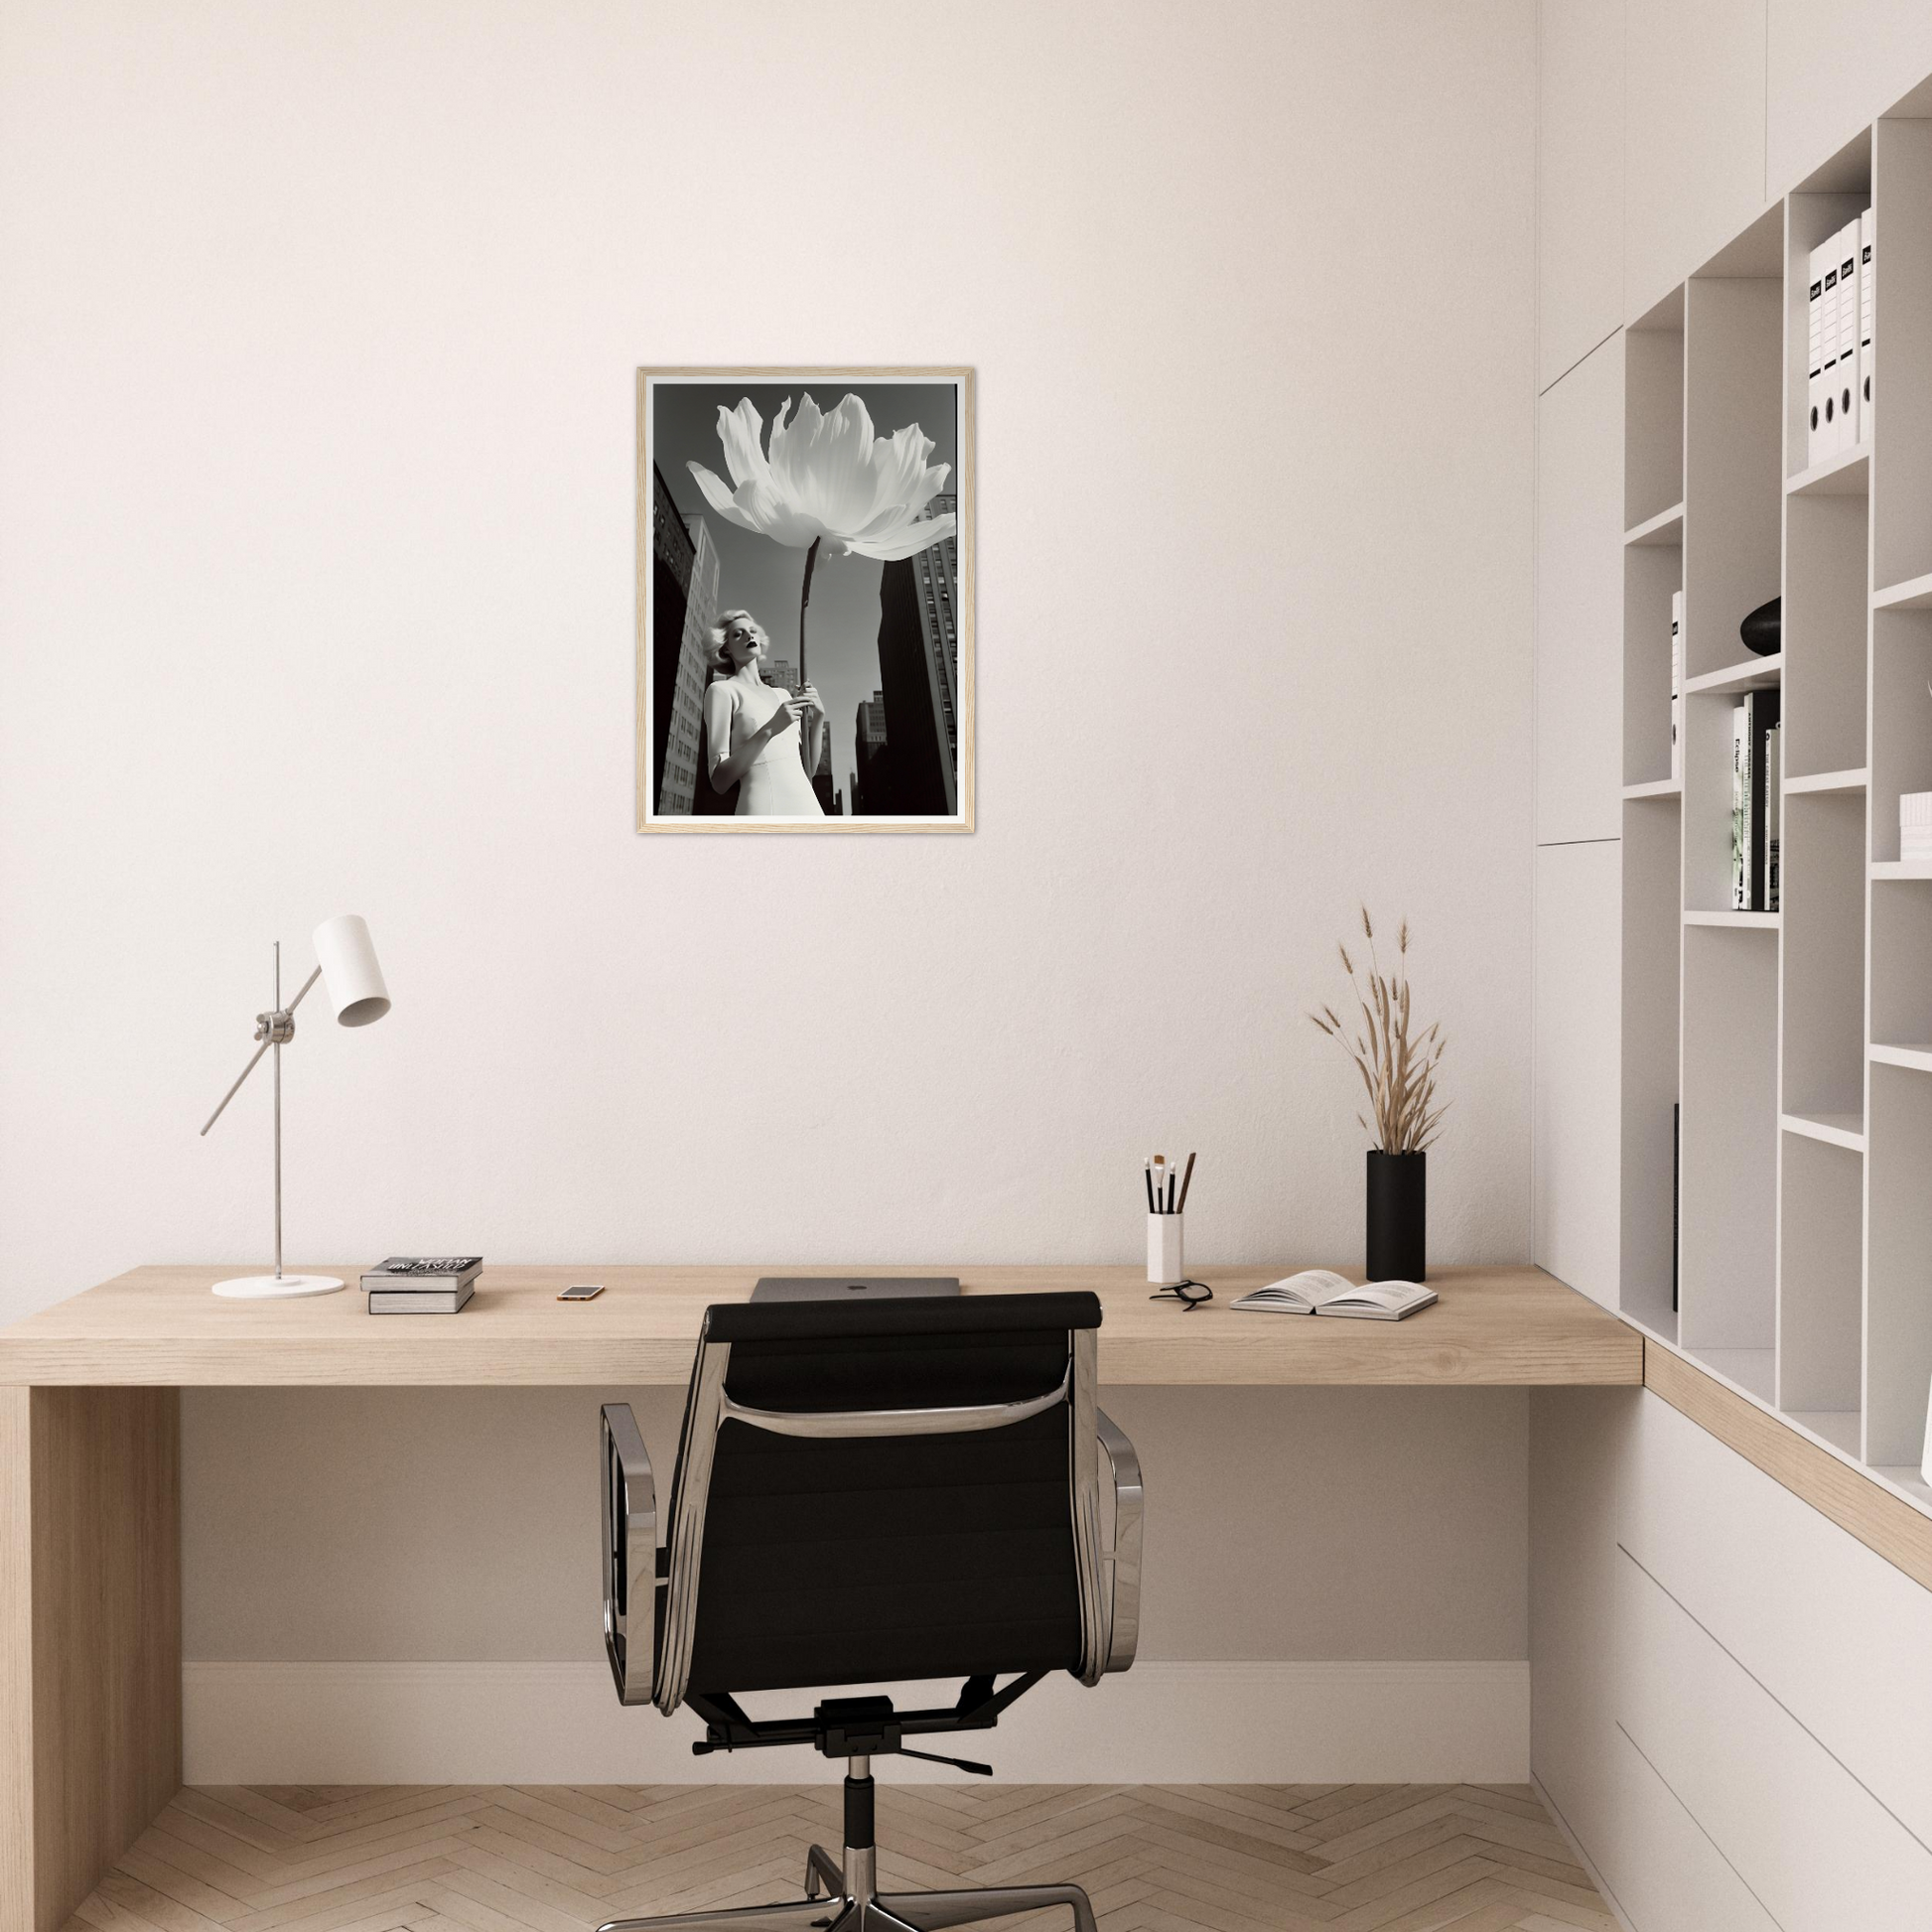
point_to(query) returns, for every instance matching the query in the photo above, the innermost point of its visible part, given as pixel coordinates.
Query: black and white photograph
(804, 600)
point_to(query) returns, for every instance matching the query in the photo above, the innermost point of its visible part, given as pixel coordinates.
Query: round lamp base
(276, 1287)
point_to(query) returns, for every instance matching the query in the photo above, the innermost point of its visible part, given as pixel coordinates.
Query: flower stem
(804, 600)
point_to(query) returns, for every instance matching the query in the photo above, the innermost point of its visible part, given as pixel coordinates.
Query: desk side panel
(16, 1665)
(103, 1539)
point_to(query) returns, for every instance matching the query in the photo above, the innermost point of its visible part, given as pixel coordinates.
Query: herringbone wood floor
(562, 1858)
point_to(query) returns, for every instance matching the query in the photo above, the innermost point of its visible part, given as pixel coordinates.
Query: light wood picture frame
(805, 567)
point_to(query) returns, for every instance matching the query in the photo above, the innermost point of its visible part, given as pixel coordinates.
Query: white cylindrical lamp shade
(349, 974)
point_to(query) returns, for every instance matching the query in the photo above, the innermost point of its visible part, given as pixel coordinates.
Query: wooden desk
(160, 1327)
(89, 1461)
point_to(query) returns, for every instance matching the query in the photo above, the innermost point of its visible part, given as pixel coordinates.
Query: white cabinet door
(1693, 137)
(1833, 66)
(1815, 1847)
(1659, 1864)
(1579, 1441)
(1578, 180)
(1574, 1201)
(1782, 1587)
(1579, 602)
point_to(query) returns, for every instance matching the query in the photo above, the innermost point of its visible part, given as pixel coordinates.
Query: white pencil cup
(1164, 1249)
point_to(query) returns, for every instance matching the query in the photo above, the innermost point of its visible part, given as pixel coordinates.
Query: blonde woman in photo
(754, 729)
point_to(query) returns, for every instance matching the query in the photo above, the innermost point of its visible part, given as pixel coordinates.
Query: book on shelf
(1321, 1291)
(420, 1301)
(1762, 719)
(1815, 357)
(1846, 393)
(1677, 686)
(1773, 808)
(1740, 811)
(1867, 235)
(423, 1273)
(1752, 723)
(1676, 1193)
(1825, 260)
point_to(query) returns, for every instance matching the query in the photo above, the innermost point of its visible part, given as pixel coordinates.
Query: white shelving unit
(1797, 1043)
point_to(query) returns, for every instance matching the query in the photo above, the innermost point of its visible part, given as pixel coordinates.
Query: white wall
(316, 343)
(1282, 1523)
(1334, 1592)
(315, 490)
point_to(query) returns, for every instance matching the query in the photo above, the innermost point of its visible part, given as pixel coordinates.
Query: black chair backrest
(864, 1558)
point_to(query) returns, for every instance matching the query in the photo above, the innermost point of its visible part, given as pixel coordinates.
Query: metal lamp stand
(274, 1029)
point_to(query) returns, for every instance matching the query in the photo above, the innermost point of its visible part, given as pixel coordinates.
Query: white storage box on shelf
(1915, 825)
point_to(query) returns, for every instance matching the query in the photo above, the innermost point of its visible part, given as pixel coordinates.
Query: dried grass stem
(1398, 1066)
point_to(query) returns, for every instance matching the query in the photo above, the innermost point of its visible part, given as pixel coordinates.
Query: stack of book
(1839, 363)
(422, 1284)
(1755, 804)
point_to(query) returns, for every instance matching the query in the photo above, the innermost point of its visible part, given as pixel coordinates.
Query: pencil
(1187, 1181)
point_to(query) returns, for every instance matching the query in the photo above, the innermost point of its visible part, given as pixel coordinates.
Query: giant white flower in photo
(828, 477)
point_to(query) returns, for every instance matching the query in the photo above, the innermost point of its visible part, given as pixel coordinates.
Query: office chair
(868, 1494)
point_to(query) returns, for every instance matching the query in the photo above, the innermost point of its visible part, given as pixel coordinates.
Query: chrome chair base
(856, 1907)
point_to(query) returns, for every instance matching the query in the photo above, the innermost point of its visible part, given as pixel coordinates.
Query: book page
(1381, 1294)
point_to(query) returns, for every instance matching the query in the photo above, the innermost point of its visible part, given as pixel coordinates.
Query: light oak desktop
(89, 1460)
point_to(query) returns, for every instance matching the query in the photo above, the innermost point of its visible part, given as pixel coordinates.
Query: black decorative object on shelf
(1676, 1193)
(1763, 630)
(1398, 1216)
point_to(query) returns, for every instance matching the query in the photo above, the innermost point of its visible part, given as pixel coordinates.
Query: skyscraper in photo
(673, 550)
(828, 798)
(678, 718)
(918, 673)
(870, 786)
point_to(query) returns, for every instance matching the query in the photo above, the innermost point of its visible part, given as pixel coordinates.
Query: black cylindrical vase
(1398, 1216)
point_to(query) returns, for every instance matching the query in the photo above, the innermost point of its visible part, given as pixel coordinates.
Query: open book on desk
(1321, 1291)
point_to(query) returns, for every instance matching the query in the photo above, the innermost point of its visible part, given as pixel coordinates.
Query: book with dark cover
(1760, 716)
(413, 1273)
(1741, 809)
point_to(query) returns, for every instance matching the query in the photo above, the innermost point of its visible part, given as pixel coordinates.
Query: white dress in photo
(776, 785)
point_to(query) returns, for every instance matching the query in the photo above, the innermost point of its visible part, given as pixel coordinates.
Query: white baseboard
(561, 1724)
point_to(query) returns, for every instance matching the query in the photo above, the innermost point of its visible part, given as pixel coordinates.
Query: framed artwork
(804, 600)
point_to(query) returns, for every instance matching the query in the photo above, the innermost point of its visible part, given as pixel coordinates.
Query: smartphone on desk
(581, 1292)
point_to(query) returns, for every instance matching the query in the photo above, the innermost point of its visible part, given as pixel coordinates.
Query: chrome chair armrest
(629, 1555)
(1124, 1559)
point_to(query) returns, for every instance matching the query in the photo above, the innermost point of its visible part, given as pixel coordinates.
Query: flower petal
(738, 431)
(906, 542)
(717, 495)
(778, 458)
(825, 462)
(895, 515)
(899, 464)
(762, 507)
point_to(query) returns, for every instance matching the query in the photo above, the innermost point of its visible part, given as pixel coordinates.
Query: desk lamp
(353, 980)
